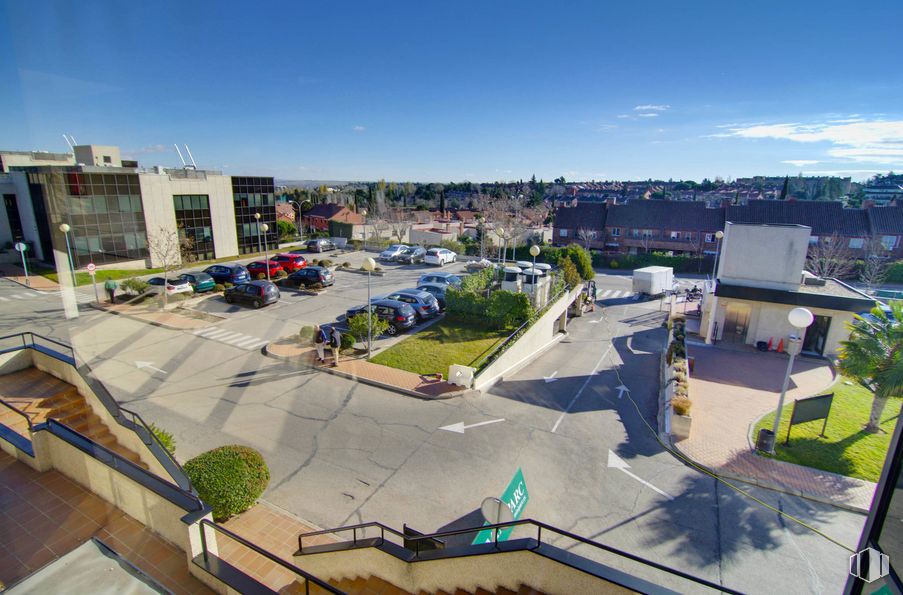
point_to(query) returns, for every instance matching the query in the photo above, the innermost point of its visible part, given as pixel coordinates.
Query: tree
(408, 191)
(400, 223)
(357, 326)
(569, 272)
(785, 188)
(875, 262)
(581, 259)
(873, 357)
(286, 229)
(586, 235)
(440, 190)
(830, 257)
(166, 248)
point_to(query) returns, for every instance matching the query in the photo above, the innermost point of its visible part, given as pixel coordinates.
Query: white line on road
(580, 392)
(550, 377)
(459, 427)
(616, 462)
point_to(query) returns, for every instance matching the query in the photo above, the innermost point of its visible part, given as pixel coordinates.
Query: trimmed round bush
(681, 405)
(261, 276)
(219, 287)
(227, 285)
(230, 478)
(347, 341)
(614, 264)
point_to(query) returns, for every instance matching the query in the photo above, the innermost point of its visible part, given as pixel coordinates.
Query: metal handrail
(20, 412)
(540, 526)
(155, 438)
(308, 578)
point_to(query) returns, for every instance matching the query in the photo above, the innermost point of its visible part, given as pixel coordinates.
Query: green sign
(515, 498)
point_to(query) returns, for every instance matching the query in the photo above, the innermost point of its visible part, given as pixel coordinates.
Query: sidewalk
(731, 390)
(423, 387)
(151, 314)
(37, 282)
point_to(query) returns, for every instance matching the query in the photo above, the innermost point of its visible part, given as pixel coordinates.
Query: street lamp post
(298, 222)
(718, 236)
(501, 234)
(800, 318)
(266, 255)
(369, 265)
(257, 217)
(65, 229)
(534, 252)
(366, 233)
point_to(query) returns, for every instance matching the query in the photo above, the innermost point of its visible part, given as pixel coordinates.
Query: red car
(290, 262)
(259, 267)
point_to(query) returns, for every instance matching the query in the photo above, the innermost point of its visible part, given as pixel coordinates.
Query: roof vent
(810, 279)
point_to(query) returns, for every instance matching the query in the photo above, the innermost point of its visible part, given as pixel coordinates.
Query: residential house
(285, 212)
(320, 215)
(886, 225)
(645, 225)
(583, 223)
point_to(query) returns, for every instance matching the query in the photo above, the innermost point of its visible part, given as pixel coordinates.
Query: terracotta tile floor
(275, 531)
(46, 515)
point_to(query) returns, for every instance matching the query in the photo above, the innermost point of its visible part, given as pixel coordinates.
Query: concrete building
(761, 277)
(122, 216)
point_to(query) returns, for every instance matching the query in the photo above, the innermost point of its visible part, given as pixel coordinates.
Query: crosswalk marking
(227, 337)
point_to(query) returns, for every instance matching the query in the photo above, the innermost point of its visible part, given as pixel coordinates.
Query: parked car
(228, 273)
(171, 286)
(320, 245)
(290, 262)
(437, 290)
(425, 305)
(440, 278)
(400, 316)
(309, 276)
(411, 255)
(259, 267)
(440, 256)
(200, 282)
(392, 252)
(479, 265)
(256, 293)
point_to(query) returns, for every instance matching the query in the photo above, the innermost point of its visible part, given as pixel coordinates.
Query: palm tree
(873, 356)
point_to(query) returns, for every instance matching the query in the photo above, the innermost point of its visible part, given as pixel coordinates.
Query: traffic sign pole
(92, 270)
(21, 247)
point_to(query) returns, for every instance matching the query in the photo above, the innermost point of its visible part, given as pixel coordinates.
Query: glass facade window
(106, 217)
(254, 195)
(193, 221)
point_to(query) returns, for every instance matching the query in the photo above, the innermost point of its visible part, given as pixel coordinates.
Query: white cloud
(648, 115)
(650, 107)
(358, 128)
(800, 162)
(624, 116)
(873, 141)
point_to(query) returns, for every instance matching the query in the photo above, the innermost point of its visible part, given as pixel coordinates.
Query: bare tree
(830, 256)
(400, 223)
(875, 263)
(167, 249)
(586, 236)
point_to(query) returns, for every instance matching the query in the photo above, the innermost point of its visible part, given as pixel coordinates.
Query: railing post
(354, 536)
(203, 540)
(496, 537)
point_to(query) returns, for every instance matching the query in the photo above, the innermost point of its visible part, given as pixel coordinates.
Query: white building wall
(157, 191)
(26, 213)
(6, 187)
(771, 256)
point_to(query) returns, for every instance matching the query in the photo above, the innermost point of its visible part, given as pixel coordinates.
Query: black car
(411, 255)
(256, 293)
(320, 245)
(425, 305)
(310, 276)
(228, 273)
(437, 290)
(400, 316)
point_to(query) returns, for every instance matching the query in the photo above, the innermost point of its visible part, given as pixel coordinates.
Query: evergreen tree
(785, 188)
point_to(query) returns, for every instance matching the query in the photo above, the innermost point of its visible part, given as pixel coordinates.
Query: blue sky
(452, 91)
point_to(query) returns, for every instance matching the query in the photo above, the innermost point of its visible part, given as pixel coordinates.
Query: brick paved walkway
(17, 274)
(44, 516)
(359, 369)
(153, 315)
(732, 389)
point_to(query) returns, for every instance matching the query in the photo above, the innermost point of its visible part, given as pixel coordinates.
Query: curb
(360, 272)
(138, 318)
(390, 387)
(767, 484)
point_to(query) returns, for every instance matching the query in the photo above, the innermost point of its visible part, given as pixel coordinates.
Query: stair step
(527, 590)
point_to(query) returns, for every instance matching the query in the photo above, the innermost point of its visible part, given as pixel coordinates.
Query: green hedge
(680, 264)
(229, 478)
(502, 309)
(894, 273)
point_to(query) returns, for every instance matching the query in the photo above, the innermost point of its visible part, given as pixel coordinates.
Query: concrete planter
(680, 426)
(361, 272)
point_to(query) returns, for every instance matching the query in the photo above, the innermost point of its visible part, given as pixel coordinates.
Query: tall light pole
(364, 215)
(718, 236)
(501, 234)
(65, 229)
(481, 222)
(369, 265)
(257, 216)
(534, 252)
(266, 255)
(297, 223)
(800, 318)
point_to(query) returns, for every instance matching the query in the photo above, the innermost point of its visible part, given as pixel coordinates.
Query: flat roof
(831, 296)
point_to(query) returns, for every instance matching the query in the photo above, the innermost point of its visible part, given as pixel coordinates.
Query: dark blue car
(228, 273)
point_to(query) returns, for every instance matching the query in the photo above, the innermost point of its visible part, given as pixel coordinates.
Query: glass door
(817, 336)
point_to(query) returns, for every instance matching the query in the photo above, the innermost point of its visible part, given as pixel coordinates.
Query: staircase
(376, 586)
(42, 396)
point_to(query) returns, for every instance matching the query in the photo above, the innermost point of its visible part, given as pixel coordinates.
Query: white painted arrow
(551, 377)
(600, 319)
(149, 366)
(616, 462)
(460, 427)
(621, 390)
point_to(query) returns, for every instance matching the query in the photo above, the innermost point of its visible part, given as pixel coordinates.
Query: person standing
(320, 339)
(110, 285)
(336, 342)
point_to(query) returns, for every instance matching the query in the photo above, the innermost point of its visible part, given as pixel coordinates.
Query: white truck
(653, 281)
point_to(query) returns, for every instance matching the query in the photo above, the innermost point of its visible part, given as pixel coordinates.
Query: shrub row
(501, 309)
(681, 264)
(677, 359)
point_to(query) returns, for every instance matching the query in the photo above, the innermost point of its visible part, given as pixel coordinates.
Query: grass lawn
(435, 348)
(82, 278)
(847, 450)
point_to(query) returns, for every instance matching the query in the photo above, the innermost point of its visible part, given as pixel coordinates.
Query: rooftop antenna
(180, 154)
(72, 138)
(65, 138)
(187, 150)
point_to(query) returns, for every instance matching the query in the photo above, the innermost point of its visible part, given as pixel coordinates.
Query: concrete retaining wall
(544, 333)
